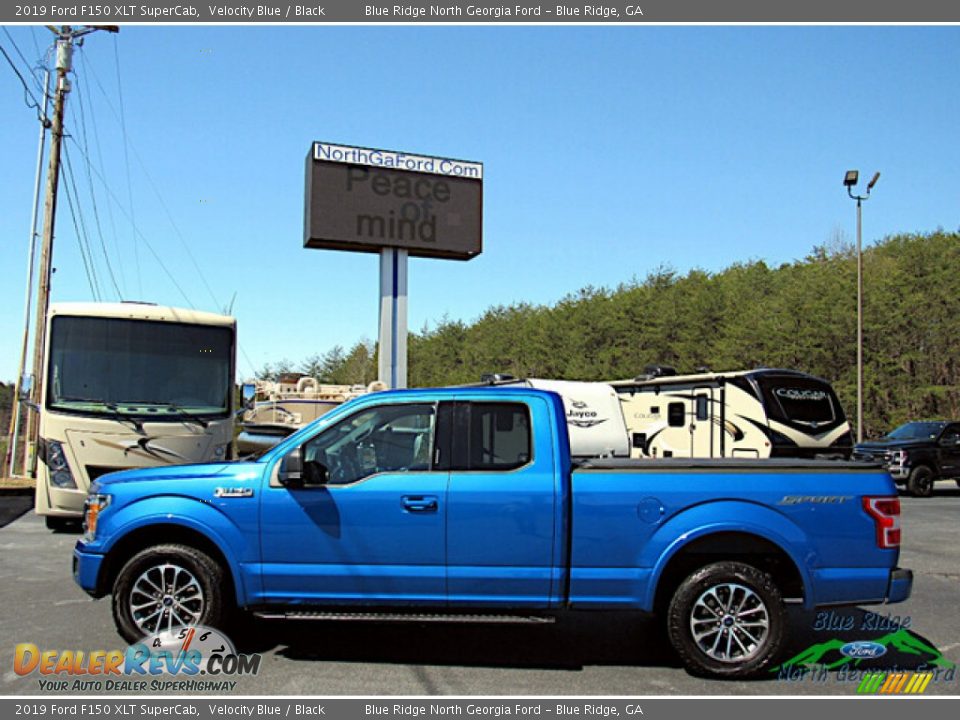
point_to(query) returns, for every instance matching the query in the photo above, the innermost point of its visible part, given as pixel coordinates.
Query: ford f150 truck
(917, 454)
(463, 504)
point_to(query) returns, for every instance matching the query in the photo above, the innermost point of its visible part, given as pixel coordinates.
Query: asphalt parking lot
(596, 654)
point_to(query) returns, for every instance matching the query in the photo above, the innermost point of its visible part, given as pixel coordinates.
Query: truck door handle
(419, 503)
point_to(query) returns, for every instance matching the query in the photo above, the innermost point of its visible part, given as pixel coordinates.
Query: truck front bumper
(899, 473)
(901, 583)
(86, 570)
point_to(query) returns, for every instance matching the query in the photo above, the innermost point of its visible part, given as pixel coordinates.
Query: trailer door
(704, 438)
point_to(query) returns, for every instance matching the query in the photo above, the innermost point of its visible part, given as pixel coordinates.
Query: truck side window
(491, 436)
(676, 414)
(388, 438)
(499, 436)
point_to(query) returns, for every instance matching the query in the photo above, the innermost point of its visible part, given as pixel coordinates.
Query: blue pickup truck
(463, 504)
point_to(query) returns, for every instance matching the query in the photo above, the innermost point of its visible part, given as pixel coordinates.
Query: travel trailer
(758, 413)
(748, 413)
(129, 385)
(279, 407)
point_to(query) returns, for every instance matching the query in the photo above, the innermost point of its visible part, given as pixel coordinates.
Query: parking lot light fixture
(850, 180)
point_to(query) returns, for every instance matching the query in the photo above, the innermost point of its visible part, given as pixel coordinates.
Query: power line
(156, 191)
(126, 161)
(96, 137)
(30, 67)
(26, 90)
(81, 230)
(136, 230)
(93, 197)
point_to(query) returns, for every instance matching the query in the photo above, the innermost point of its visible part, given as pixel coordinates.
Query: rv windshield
(800, 399)
(120, 367)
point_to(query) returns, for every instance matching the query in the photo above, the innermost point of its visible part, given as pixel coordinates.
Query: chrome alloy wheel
(729, 623)
(165, 597)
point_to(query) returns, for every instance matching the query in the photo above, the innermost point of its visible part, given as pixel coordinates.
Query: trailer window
(676, 414)
(802, 399)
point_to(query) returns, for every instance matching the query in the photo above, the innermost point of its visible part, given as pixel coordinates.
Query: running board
(405, 617)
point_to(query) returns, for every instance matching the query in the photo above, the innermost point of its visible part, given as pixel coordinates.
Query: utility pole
(65, 39)
(13, 436)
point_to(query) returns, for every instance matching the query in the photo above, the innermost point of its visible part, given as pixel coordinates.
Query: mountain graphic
(901, 641)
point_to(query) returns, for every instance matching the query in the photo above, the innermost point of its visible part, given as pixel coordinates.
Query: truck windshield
(804, 400)
(120, 367)
(917, 431)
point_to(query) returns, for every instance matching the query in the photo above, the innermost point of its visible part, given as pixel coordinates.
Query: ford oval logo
(863, 649)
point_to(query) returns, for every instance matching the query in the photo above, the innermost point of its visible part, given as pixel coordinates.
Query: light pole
(849, 181)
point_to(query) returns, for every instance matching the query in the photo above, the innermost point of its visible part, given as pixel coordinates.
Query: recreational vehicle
(747, 414)
(129, 385)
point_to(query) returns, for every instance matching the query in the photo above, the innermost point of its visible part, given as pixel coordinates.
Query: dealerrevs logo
(183, 659)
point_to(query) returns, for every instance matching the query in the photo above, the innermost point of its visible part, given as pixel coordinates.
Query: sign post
(398, 205)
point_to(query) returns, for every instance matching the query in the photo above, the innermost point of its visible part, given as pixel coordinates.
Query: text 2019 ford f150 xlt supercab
(464, 503)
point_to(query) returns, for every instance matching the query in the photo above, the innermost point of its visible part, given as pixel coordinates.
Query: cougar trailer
(752, 414)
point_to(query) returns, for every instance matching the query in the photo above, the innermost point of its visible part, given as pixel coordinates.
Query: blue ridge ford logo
(863, 649)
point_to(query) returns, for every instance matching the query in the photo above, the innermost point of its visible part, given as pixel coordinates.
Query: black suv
(917, 454)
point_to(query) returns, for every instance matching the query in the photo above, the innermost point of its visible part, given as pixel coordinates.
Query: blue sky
(607, 151)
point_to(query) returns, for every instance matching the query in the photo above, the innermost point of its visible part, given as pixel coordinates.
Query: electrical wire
(93, 197)
(31, 68)
(136, 230)
(126, 162)
(32, 103)
(156, 191)
(81, 229)
(99, 149)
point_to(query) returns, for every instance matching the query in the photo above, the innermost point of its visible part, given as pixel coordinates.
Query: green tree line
(800, 315)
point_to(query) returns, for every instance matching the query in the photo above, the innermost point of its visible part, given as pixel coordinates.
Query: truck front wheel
(920, 482)
(727, 620)
(166, 587)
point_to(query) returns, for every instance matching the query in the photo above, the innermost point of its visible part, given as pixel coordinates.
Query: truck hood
(175, 473)
(883, 444)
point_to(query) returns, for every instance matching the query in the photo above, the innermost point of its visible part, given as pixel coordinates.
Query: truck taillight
(885, 512)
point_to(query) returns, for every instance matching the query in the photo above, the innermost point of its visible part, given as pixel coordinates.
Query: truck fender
(720, 517)
(203, 518)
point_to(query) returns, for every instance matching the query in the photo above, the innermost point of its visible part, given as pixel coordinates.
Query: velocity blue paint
(542, 536)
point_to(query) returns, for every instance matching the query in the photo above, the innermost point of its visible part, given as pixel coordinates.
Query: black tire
(741, 646)
(957, 481)
(920, 482)
(143, 570)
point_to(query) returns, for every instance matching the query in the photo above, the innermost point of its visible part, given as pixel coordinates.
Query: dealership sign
(364, 200)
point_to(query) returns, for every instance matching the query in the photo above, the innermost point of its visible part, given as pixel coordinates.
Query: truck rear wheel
(920, 482)
(165, 587)
(727, 620)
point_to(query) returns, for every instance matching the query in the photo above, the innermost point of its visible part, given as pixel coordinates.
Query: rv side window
(702, 410)
(675, 414)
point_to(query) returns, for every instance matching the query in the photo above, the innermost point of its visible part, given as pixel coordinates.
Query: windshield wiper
(112, 407)
(181, 413)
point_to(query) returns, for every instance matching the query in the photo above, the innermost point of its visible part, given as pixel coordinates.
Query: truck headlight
(56, 459)
(898, 457)
(92, 507)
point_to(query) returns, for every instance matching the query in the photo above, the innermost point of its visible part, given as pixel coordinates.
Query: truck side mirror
(290, 473)
(315, 473)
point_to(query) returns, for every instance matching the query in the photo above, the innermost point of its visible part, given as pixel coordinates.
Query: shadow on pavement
(13, 506)
(572, 643)
(580, 640)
